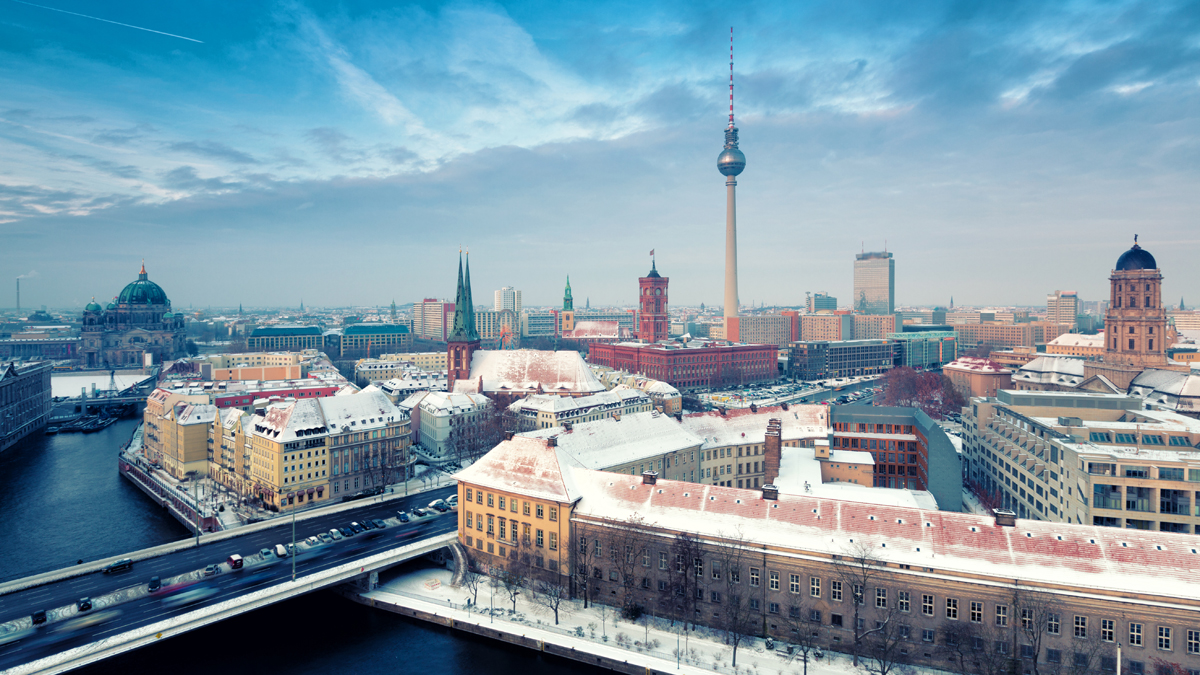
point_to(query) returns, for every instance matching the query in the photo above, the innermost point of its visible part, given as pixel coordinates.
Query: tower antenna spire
(731, 77)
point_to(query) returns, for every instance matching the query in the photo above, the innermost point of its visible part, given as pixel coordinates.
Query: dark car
(346, 532)
(379, 524)
(419, 512)
(403, 516)
(154, 585)
(357, 528)
(367, 524)
(39, 617)
(84, 604)
(123, 565)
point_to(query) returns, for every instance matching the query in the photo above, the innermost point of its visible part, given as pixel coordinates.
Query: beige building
(1093, 459)
(873, 326)
(159, 412)
(994, 335)
(1062, 307)
(230, 449)
(734, 451)
(542, 411)
(1075, 344)
(765, 329)
(185, 438)
(977, 377)
(826, 326)
(844, 466)
(259, 366)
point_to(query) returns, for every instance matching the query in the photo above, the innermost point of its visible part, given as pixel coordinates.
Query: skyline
(980, 144)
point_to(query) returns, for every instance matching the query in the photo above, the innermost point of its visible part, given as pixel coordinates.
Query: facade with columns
(138, 322)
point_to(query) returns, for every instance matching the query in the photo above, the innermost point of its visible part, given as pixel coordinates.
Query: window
(645, 557)
(469, 493)
(598, 549)
(699, 565)
(1052, 624)
(553, 514)
(1081, 660)
(539, 540)
(927, 635)
(1193, 641)
(835, 591)
(773, 607)
(491, 502)
(1001, 646)
(1137, 668)
(903, 601)
(715, 597)
(716, 569)
(1027, 651)
(1002, 616)
(754, 604)
(835, 620)
(553, 541)
(1081, 626)
(794, 583)
(858, 594)
(1106, 630)
(773, 580)
(814, 615)
(499, 502)
(1135, 635)
(539, 511)
(927, 605)
(881, 598)
(1053, 656)
(1026, 619)
(583, 546)
(1164, 638)
(976, 612)
(951, 608)
(524, 507)
(814, 587)
(662, 560)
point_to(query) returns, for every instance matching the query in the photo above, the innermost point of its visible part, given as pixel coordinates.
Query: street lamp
(292, 498)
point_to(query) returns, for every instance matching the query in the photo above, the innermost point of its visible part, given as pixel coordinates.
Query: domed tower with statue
(137, 324)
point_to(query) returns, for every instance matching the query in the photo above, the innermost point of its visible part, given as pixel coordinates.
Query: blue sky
(344, 152)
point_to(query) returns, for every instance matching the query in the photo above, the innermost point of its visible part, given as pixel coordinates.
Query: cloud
(334, 144)
(186, 178)
(214, 150)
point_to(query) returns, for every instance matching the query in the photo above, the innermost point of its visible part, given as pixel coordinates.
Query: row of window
(537, 537)
(499, 501)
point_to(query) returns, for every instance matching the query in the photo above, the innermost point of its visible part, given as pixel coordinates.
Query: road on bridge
(152, 609)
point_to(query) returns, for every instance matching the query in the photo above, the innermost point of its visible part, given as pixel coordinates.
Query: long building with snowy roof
(757, 561)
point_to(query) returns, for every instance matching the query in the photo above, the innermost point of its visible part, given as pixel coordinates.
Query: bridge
(126, 615)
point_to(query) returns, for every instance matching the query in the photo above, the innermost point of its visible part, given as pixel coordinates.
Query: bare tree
(806, 635)
(470, 583)
(585, 563)
(858, 569)
(1034, 611)
(549, 594)
(738, 617)
(885, 644)
(685, 576)
(628, 547)
(955, 646)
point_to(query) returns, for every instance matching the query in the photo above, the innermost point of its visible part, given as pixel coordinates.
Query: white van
(280, 551)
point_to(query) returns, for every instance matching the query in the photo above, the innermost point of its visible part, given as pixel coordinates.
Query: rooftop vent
(552, 442)
(770, 492)
(1005, 518)
(649, 477)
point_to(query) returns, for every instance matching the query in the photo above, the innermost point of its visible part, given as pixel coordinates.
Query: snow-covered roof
(1078, 340)
(596, 329)
(442, 403)
(1086, 556)
(364, 411)
(612, 442)
(196, 413)
(526, 369)
(288, 421)
(550, 403)
(851, 457)
(526, 466)
(1059, 370)
(974, 365)
(1171, 389)
(741, 426)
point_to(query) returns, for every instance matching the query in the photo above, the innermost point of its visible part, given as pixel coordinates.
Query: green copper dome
(113, 304)
(168, 317)
(143, 292)
(92, 306)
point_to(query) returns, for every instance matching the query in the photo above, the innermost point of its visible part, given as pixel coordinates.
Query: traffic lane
(146, 611)
(50, 596)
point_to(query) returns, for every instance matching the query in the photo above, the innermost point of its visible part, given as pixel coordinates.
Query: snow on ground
(800, 474)
(599, 630)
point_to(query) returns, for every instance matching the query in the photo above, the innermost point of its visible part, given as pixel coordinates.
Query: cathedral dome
(143, 292)
(1136, 258)
(113, 304)
(92, 306)
(168, 317)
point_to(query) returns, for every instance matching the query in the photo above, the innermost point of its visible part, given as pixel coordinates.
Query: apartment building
(1095, 459)
(284, 339)
(542, 411)
(24, 400)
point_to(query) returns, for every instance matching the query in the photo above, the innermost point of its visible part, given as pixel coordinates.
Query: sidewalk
(650, 643)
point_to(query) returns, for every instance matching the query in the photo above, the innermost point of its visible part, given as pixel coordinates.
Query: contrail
(96, 18)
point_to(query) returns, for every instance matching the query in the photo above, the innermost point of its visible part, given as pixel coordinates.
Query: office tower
(508, 298)
(1062, 307)
(874, 283)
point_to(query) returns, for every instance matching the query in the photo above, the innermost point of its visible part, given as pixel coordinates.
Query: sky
(343, 153)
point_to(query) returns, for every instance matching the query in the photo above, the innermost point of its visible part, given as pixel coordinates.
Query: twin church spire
(464, 307)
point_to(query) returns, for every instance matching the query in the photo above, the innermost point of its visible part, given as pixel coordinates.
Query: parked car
(154, 585)
(212, 570)
(346, 532)
(325, 538)
(39, 617)
(334, 534)
(357, 528)
(439, 505)
(235, 562)
(313, 541)
(123, 565)
(84, 604)
(280, 551)
(418, 512)
(452, 501)
(403, 516)
(379, 524)
(266, 553)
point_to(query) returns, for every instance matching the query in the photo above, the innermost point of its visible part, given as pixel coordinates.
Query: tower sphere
(730, 162)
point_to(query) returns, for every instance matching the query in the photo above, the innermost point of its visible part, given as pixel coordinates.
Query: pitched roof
(610, 442)
(742, 425)
(526, 369)
(525, 466)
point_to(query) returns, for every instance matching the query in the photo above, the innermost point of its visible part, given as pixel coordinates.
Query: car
(439, 505)
(347, 532)
(84, 604)
(123, 565)
(280, 551)
(235, 562)
(379, 524)
(403, 516)
(190, 596)
(334, 534)
(212, 570)
(38, 617)
(266, 553)
(313, 541)
(357, 528)
(419, 512)
(367, 524)
(325, 538)
(154, 585)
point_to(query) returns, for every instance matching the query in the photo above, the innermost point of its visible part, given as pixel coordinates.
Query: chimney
(508, 435)
(722, 409)
(552, 442)
(616, 417)
(753, 408)
(770, 492)
(649, 477)
(773, 449)
(784, 405)
(1005, 518)
(678, 417)
(566, 426)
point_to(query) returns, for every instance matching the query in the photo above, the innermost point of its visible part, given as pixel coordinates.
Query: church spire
(568, 301)
(464, 312)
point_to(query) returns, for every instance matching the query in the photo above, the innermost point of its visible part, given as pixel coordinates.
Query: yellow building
(430, 361)
(159, 405)
(514, 509)
(185, 438)
(230, 440)
(289, 462)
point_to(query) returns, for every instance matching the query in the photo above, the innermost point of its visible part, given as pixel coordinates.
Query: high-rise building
(730, 163)
(508, 298)
(1062, 307)
(652, 298)
(820, 301)
(875, 283)
(431, 319)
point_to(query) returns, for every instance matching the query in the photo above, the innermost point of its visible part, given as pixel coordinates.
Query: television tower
(730, 163)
